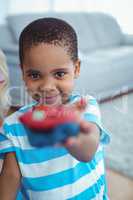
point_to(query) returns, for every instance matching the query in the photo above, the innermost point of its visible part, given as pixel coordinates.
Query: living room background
(106, 53)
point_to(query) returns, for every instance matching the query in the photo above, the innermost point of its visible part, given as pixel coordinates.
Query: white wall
(24, 6)
(120, 9)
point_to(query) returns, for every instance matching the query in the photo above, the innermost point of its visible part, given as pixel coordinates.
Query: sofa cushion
(10, 48)
(17, 22)
(120, 53)
(107, 72)
(107, 30)
(95, 30)
(5, 36)
(86, 36)
(79, 21)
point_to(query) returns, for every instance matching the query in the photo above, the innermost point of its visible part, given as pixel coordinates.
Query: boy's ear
(77, 68)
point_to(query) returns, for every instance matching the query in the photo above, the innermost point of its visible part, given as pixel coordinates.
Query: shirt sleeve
(6, 144)
(92, 114)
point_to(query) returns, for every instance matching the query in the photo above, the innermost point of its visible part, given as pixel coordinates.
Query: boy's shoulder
(89, 99)
(76, 97)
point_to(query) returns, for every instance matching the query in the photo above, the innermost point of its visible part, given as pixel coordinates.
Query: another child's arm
(10, 178)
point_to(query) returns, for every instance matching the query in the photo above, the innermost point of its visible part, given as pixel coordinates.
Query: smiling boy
(49, 61)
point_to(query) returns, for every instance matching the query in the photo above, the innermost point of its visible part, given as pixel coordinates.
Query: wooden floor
(119, 187)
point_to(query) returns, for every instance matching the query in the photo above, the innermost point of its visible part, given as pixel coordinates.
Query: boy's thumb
(81, 104)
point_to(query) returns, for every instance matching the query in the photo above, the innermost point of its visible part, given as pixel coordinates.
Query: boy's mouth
(52, 100)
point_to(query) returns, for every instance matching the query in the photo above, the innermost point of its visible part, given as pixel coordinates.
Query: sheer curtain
(121, 10)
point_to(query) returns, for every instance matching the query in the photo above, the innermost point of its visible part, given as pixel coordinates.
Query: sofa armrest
(128, 39)
(10, 49)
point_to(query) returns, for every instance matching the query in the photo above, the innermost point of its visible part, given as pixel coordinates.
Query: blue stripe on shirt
(15, 129)
(91, 192)
(38, 155)
(92, 118)
(65, 177)
(6, 150)
(2, 138)
(93, 102)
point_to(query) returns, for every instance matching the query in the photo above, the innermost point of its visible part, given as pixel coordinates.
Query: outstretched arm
(84, 146)
(10, 178)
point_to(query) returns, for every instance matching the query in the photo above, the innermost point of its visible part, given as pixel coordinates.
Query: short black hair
(50, 31)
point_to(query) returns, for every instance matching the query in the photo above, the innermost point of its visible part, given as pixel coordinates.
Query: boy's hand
(85, 144)
(79, 108)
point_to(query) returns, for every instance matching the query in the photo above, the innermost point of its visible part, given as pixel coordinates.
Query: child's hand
(71, 130)
(84, 126)
(79, 108)
(84, 145)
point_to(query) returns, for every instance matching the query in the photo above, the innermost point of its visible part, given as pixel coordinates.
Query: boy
(49, 62)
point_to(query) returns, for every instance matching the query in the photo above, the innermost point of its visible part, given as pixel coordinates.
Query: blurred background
(121, 10)
(105, 32)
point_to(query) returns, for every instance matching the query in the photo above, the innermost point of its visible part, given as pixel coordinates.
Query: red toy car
(42, 118)
(52, 124)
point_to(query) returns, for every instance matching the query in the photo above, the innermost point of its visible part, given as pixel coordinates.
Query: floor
(119, 187)
(117, 119)
(114, 113)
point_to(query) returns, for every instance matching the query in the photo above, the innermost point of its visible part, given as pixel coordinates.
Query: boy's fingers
(80, 105)
(71, 141)
(84, 126)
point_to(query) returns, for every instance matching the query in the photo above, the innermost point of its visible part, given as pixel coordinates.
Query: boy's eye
(60, 74)
(34, 76)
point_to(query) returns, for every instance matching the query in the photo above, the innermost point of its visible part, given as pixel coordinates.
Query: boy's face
(49, 73)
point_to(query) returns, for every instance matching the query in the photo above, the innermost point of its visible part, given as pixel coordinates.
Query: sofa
(106, 54)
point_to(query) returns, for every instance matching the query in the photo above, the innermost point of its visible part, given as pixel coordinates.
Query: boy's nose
(47, 85)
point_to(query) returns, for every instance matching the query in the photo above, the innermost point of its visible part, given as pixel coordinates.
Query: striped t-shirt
(52, 173)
